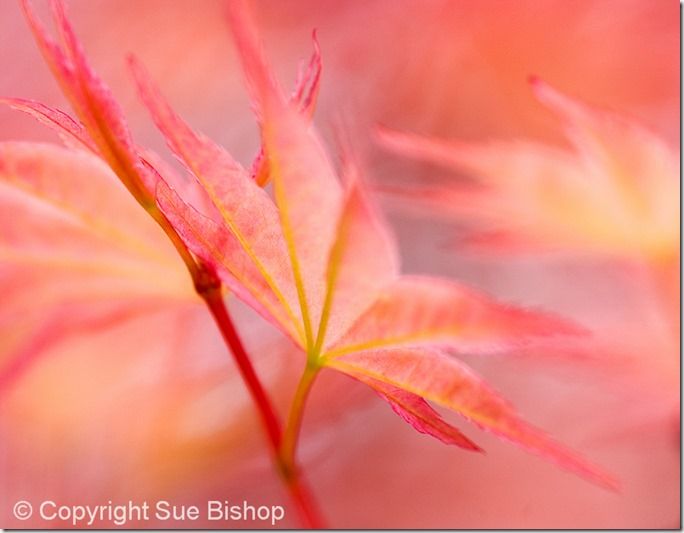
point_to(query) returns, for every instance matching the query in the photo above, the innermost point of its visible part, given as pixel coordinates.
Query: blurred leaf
(615, 193)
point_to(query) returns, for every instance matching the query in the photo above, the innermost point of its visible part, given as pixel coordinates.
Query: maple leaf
(614, 193)
(99, 130)
(320, 264)
(304, 97)
(78, 246)
(101, 126)
(82, 246)
(102, 130)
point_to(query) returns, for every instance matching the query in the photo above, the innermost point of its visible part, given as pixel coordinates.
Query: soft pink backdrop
(152, 408)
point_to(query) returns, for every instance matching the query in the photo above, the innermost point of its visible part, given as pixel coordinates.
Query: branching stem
(289, 472)
(288, 447)
(209, 288)
(207, 284)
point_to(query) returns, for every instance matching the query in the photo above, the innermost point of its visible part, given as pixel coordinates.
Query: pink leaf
(71, 201)
(614, 193)
(240, 206)
(70, 131)
(430, 311)
(449, 383)
(416, 412)
(76, 252)
(363, 262)
(93, 102)
(219, 248)
(307, 192)
(304, 96)
(309, 82)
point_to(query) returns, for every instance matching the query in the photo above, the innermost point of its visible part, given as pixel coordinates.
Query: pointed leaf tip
(301, 171)
(92, 101)
(446, 381)
(304, 97)
(418, 413)
(72, 132)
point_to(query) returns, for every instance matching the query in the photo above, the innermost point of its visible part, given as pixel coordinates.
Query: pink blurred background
(152, 407)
